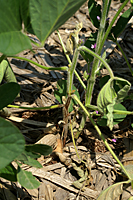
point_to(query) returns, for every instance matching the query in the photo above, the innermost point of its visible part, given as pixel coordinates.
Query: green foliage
(12, 89)
(117, 118)
(26, 179)
(39, 17)
(42, 149)
(108, 97)
(11, 142)
(9, 173)
(121, 23)
(94, 11)
(62, 92)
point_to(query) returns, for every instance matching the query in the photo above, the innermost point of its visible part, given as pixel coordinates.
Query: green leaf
(33, 163)
(6, 72)
(25, 15)
(28, 160)
(109, 96)
(94, 11)
(9, 173)
(112, 192)
(26, 179)
(103, 80)
(117, 118)
(42, 149)
(62, 91)
(90, 41)
(47, 16)
(11, 142)
(12, 40)
(8, 92)
(122, 22)
(129, 169)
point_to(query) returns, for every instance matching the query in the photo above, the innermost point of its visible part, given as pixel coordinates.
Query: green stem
(122, 112)
(71, 71)
(111, 24)
(69, 60)
(129, 66)
(32, 108)
(101, 135)
(65, 68)
(83, 48)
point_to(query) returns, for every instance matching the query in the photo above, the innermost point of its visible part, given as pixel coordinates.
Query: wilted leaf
(26, 179)
(110, 95)
(112, 192)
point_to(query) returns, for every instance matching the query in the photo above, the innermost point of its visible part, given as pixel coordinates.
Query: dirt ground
(37, 90)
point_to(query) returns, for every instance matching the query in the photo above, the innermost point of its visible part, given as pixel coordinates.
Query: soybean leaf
(62, 91)
(11, 142)
(28, 160)
(108, 97)
(26, 179)
(12, 40)
(42, 149)
(9, 173)
(25, 15)
(47, 16)
(129, 169)
(33, 163)
(117, 118)
(94, 11)
(8, 92)
(6, 72)
(90, 41)
(122, 22)
(112, 192)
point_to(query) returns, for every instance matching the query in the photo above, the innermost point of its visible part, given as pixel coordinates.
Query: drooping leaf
(109, 96)
(26, 179)
(11, 142)
(122, 22)
(117, 118)
(9, 173)
(112, 192)
(47, 16)
(42, 149)
(94, 11)
(8, 92)
(12, 40)
(62, 91)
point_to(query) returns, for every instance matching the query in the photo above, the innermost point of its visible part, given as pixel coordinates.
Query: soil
(45, 126)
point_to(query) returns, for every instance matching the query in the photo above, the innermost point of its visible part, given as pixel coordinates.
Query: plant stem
(101, 135)
(122, 112)
(69, 61)
(65, 68)
(32, 108)
(2, 57)
(124, 55)
(71, 71)
(111, 24)
(83, 48)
